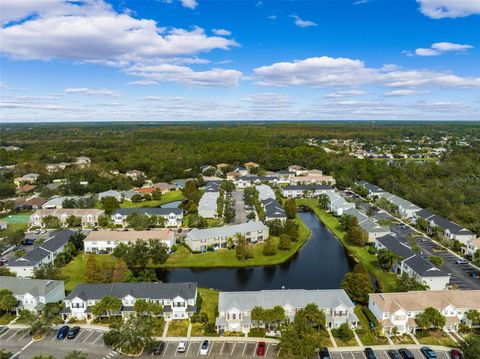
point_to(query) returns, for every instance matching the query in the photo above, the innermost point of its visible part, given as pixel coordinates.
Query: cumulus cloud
(221, 32)
(302, 23)
(93, 32)
(327, 72)
(347, 93)
(439, 9)
(90, 92)
(143, 82)
(191, 4)
(439, 48)
(401, 93)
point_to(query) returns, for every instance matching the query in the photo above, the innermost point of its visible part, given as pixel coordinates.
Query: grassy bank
(387, 281)
(226, 258)
(166, 198)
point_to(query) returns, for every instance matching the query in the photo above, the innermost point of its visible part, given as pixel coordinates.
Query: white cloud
(90, 92)
(272, 17)
(327, 72)
(439, 48)
(399, 93)
(221, 32)
(191, 4)
(360, 2)
(347, 93)
(93, 32)
(143, 82)
(439, 9)
(173, 73)
(302, 23)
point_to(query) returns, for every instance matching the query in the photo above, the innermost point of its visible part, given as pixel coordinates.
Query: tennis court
(17, 218)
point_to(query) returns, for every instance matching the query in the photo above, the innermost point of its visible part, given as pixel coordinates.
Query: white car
(461, 261)
(182, 346)
(204, 347)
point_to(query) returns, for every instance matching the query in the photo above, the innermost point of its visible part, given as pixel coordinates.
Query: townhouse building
(399, 310)
(178, 299)
(265, 192)
(368, 225)
(45, 253)
(172, 217)
(273, 210)
(217, 237)
(235, 308)
(33, 294)
(305, 191)
(88, 217)
(105, 241)
(338, 205)
(110, 193)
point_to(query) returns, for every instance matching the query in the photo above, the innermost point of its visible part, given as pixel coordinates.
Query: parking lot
(240, 211)
(91, 342)
(460, 273)
(382, 354)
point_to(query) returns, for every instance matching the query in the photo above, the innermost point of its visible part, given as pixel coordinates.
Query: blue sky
(100, 60)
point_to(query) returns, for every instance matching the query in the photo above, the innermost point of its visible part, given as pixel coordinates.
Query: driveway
(240, 210)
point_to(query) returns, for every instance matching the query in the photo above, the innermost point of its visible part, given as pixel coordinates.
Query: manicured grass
(198, 330)
(209, 303)
(166, 198)
(158, 326)
(350, 343)
(402, 339)
(6, 318)
(12, 228)
(366, 335)
(436, 337)
(226, 258)
(178, 328)
(74, 273)
(387, 281)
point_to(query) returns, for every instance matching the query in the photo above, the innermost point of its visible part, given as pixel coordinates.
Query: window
(234, 316)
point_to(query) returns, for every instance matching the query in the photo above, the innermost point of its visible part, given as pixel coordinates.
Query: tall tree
(7, 300)
(290, 208)
(430, 318)
(357, 284)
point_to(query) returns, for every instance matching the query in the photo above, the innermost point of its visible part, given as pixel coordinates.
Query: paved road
(382, 354)
(91, 342)
(459, 272)
(240, 211)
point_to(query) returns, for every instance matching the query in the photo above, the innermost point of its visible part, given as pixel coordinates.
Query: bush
(257, 332)
(372, 250)
(285, 242)
(200, 318)
(343, 332)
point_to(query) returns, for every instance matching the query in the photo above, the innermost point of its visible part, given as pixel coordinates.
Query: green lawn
(6, 318)
(178, 328)
(349, 343)
(387, 281)
(74, 272)
(12, 228)
(366, 335)
(402, 339)
(209, 303)
(226, 258)
(166, 198)
(436, 337)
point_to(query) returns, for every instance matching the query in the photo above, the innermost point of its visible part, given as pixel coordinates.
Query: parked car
(3, 330)
(324, 354)
(158, 348)
(394, 354)
(261, 349)
(424, 239)
(461, 261)
(72, 333)
(204, 347)
(456, 354)
(475, 275)
(28, 242)
(406, 354)
(369, 353)
(182, 346)
(63, 332)
(428, 353)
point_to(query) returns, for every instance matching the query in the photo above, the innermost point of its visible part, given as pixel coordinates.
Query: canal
(320, 264)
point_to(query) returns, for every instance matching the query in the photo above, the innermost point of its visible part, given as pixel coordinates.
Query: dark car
(475, 275)
(63, 332)
(158, 348)
(324, 354)
(369, 353)
(456, 354)
(3, 330)
(428, 353)
(406, 354)
(28, 242)
(394, 354)
(261, 349)
(72, 333)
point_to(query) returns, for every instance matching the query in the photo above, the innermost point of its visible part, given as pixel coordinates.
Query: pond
(320, 264)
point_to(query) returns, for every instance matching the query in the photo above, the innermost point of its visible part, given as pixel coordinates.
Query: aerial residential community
(239, 179)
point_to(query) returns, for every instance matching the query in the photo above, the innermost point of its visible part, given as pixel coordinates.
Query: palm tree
(324, 201)
(107, 305)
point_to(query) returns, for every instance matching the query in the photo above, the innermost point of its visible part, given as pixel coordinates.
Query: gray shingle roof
(397, 247)
(298, 298)
(446, 224)
(36, 287)
(226, 231)
(424, 268)
(149, 211)
(310, 187)
(273, 209)
(145, 290)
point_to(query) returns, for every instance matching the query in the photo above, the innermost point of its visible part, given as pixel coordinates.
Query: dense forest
(164, 152)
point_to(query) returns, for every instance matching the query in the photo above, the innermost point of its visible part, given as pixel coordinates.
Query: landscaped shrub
(344, 332)
(257, 332)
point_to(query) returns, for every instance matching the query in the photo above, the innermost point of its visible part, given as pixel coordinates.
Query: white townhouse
(297, 170)
(265, 192)
(305, 191)
(273, 210)
(372, 189)
(45, 253)
(217, 237)
(110, 193)
(338, 205)
(33, 294)
(178, 299)
(57, 202)
(235, 308)
(207, 206)
(105, 241)
(246, 181)
(368, 225)
(173, 216)
(88, 217)
(398, 310)
(413, 264)
(473, 246)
